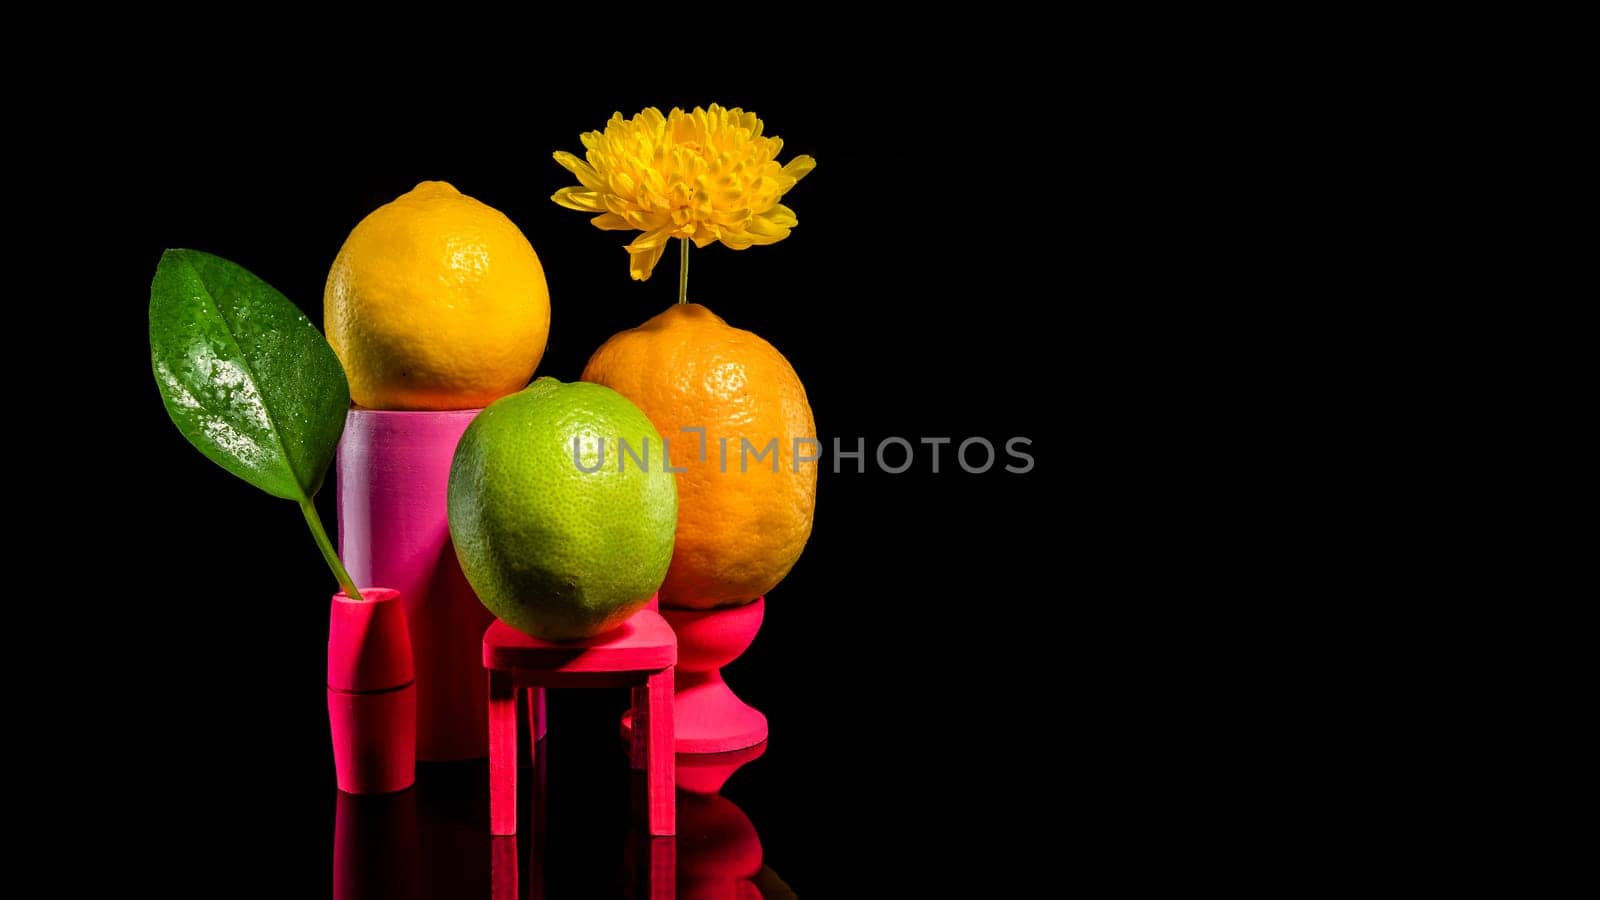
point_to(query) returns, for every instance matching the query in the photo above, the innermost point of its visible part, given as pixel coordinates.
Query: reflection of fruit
(436, 301)
(741, 525)
(555, 551)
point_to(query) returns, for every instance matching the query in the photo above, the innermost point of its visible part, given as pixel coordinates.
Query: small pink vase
(372, 693)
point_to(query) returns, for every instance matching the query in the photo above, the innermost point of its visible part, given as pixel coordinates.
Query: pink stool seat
(643, 643)
(641, 654)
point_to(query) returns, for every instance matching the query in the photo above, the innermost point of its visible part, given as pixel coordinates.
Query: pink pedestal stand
(706, 773)
(719, 851)
(710, 717)
(719, 854)
(640, 654)
(372, 693)
(394, 529)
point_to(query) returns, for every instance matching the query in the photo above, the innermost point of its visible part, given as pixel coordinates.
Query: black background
(916, 666)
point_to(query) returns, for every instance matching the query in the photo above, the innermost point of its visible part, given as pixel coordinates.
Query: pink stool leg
(659, 752)
(536, 720)
(663, 867)
(638, 744)
(530, 704)
(502, 754)
(503, 873)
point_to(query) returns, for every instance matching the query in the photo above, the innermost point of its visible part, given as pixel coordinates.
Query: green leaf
(245, 375)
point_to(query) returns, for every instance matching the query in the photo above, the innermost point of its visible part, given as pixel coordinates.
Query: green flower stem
(683, 272)
(346, 583)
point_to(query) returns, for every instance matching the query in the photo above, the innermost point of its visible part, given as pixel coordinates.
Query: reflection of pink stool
(640, 655)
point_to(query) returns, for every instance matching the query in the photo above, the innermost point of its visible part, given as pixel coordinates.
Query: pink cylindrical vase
(394, 529)
(372, 693)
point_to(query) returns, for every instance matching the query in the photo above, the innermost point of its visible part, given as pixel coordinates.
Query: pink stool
(641, 655)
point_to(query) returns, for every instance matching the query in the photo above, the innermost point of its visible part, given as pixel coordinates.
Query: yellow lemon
(436, 301)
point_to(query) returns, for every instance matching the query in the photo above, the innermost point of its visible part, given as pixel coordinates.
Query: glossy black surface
(579, 837)
(906, 662)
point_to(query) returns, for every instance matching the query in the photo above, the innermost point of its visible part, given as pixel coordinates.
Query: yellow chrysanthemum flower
(707, 175)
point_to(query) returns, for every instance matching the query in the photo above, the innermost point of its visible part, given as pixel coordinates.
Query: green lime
(558, 542)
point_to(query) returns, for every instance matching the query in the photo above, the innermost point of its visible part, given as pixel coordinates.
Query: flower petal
(644, 253)
(578, 199)
(782, 215)
(764, 230)
(610, 221)
(736, 239)
(707, 175)
(799, 167)
(585, 172)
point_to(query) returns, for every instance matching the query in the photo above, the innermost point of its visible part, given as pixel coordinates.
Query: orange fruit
(739, 532)
(436, 301)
